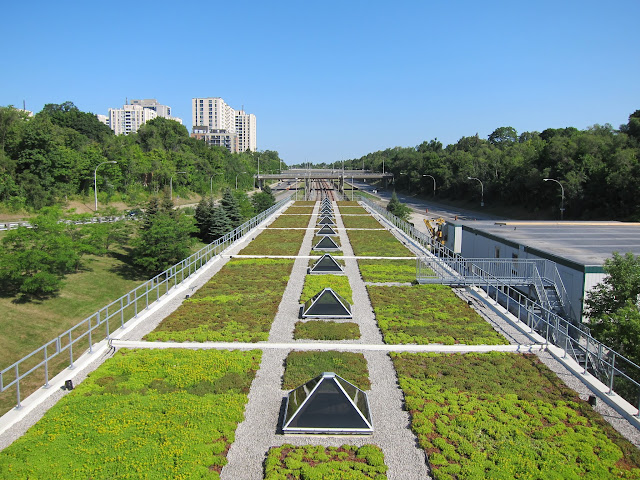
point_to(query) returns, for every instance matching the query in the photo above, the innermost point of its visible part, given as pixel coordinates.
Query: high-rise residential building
(131, 116)
(221, 119)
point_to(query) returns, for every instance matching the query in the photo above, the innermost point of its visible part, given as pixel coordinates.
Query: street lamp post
(237, 179)
(219, 173)
(296, 189)
(171, 185)
(352, 188)
(95, 181)
(481, 189)
(434, 183)
(561, 193)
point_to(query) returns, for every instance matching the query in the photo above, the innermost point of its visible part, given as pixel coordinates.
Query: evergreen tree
(220, 223)
(203, 215)
(164, 239)
(398, 208)
(231, 208)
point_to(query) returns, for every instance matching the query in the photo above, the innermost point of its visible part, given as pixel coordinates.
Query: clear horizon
(336, 80)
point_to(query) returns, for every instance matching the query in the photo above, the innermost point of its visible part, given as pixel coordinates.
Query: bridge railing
(37, 368)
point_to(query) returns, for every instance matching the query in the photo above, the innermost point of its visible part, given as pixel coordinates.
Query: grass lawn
(275, 242)
(290, 462)
(506, 416)
(300, 367)
(30, 325)
(381, 271)
(314, 284)
(424, 314)
(360, 221)
(291, 221)
(326, 330)
(142, 414)
(237, 304)
(376, 243)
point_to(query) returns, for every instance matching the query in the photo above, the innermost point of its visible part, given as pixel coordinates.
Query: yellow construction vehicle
(436, 228)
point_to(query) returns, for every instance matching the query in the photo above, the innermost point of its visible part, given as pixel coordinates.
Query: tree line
(53, 155)
(598, 168)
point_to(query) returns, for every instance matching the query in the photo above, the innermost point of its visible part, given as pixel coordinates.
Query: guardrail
(14, 225)
(108, 319)
(610, 367)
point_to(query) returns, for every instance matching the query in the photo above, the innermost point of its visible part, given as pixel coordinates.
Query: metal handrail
(606, 363)
(113, 315)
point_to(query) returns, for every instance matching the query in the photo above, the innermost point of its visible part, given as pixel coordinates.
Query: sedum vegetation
(237, 305)
(291, 221)
(381, 271)
(314, 284)
(310, 462)
(360, 221)
(142, 414)
(424, 314)
(506, 416)
(377, 243)
(326, 330)
(275, 242)
(300, 367)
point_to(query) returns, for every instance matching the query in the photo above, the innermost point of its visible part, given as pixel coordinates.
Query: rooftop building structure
(579, 249)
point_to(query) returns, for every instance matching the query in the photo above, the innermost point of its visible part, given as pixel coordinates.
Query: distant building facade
(216, 122)
(131, 116)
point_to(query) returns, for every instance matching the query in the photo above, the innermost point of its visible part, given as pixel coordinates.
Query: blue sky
(336, 79)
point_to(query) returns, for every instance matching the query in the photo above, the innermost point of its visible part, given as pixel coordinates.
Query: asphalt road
(426, 208)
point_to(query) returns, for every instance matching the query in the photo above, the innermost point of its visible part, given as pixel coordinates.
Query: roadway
(426, 208)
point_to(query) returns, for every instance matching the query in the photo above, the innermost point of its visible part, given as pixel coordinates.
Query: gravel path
(259, 431)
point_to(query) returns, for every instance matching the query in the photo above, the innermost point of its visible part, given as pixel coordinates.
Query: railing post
(613, 367)
(19, 405)
(90, 336)
(586, 357)
(46, 367)
(71, 366)
(122, 311)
